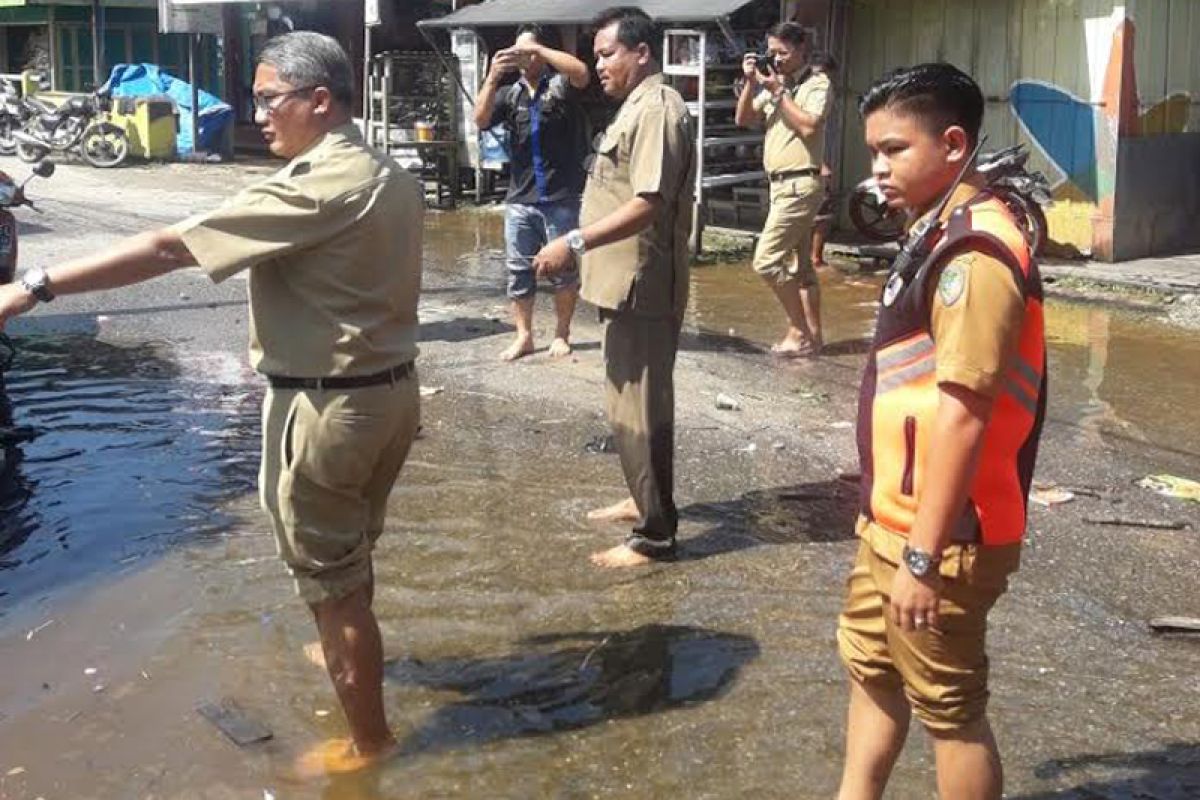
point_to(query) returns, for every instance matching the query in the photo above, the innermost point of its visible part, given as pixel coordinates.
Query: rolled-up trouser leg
(639, 354)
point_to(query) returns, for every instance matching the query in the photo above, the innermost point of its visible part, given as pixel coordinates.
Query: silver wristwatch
(37, 283)
(919, 562)
(576, 243)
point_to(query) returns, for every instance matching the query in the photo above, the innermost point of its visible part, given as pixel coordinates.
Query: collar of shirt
(342, 133)
(649, 83)
(543, 85)
(965, 192)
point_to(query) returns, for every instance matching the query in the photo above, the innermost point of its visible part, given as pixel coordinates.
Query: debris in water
(321, 712)
(98, 688)
(15, 771)
(601, 444)
(1156, 524)
(430, 391)
(750, 448)
(1050, 494)
(1175, 625)
(1172, 486)
(841, 426)
(727, 403)
(29, 636)
(90, 671)
(232, 721)
(779, 445)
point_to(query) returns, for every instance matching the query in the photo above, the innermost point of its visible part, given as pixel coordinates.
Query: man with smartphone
(791, 102)
(547, 129)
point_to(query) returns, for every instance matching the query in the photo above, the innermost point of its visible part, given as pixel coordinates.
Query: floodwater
(515, 669)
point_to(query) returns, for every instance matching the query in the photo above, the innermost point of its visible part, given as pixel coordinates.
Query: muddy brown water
(515, 669)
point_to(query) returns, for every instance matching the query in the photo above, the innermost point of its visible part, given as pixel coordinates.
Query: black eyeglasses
(270, 103)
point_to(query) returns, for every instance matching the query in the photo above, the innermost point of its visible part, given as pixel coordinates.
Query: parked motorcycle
(13, 195)
(79, 125)
(14, 113)
(1024, 192)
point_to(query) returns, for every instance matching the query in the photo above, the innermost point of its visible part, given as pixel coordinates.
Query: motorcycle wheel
(873, 220)
(1029, 218)
(31, 153)
(104, 146)
(8, 144)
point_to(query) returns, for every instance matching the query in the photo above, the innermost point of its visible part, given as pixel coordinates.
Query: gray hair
(307, 58)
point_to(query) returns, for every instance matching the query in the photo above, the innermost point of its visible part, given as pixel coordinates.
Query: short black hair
(939, 94)
(542, 35)
(634, 27)
(791, 32)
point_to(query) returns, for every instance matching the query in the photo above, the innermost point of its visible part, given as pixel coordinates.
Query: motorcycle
(1025, 194)
(12, 195)
(79, 125)
(14, 113)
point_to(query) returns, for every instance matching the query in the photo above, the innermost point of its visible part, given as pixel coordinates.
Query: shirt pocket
(604, 160)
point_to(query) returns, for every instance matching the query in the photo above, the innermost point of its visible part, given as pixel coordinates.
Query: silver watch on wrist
(919, 563)
(37, 283)
(577, 244)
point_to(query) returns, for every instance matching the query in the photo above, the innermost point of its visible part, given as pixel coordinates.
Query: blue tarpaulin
(147, 80)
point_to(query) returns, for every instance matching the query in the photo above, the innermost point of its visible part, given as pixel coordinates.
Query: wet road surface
(140, 580)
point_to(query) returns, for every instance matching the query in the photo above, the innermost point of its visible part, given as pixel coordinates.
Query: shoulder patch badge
(953, 283)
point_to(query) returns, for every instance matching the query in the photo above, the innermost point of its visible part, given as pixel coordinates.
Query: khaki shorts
(784, 250)
(944, 673)
(329, 461)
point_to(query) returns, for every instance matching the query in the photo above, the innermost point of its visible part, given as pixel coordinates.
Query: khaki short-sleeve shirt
(784, 148)
(648, 150)
(976, 322)
(332, 243)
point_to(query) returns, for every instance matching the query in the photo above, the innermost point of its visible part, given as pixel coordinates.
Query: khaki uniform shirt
(333, 243)
(785, 149)
(649, 149)
(976, 319)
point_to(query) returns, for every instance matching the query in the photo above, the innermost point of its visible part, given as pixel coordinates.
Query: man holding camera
(791, 102)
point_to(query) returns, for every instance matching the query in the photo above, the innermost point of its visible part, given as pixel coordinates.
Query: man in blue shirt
(548, 145)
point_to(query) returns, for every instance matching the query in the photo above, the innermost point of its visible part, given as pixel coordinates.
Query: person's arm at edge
(134, 260)
(567, 65)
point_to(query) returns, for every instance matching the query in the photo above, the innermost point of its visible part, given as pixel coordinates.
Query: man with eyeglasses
(332, 243)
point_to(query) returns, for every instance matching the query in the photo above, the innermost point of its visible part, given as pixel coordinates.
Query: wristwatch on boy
(919, 563)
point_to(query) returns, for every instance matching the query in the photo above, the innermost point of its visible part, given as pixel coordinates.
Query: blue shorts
(527, 229)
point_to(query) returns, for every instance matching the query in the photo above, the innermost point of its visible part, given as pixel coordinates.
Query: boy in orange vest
(950, 415)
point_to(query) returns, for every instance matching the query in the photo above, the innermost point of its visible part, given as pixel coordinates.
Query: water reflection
(116, 453)
(564, 682)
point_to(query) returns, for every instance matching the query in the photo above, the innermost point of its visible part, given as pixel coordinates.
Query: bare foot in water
(340, 757)
(796, 345)
(559, 348)
(520, 348)
(624, 511)
(315, 654)
(619, 557)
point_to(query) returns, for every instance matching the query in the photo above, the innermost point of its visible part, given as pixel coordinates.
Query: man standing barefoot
(636, 220)
(547, 131)
(332, 246)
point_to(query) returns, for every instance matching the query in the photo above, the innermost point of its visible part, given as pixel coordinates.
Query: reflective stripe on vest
(899, 400)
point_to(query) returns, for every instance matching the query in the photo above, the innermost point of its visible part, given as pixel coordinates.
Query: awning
(508, 13)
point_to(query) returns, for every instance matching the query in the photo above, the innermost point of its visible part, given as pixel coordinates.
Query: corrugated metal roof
(496, 13)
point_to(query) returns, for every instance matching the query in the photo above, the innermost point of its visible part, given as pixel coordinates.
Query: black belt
(392, 375)
(788, 174)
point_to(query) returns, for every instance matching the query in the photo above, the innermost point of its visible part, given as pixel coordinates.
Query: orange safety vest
(899, 398)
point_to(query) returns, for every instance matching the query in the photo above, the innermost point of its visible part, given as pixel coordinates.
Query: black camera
(764, 63)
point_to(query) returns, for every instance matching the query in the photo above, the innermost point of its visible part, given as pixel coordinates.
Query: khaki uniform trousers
(784, 250)
(639, 359)
(329, 461)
